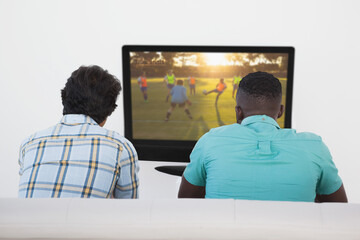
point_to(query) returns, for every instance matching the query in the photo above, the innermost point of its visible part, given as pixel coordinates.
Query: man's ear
(281, 111)
(239, 114)
(102, 123)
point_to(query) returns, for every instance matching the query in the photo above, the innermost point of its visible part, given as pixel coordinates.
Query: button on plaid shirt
(78, 158)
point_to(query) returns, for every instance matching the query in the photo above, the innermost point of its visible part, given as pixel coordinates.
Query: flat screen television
(149, 72)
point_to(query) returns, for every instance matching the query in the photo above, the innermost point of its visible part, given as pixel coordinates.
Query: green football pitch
(149, 117)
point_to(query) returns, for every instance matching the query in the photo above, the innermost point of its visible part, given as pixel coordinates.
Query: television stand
(172, 170)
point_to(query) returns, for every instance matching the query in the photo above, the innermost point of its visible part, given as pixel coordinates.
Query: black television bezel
(179, 151)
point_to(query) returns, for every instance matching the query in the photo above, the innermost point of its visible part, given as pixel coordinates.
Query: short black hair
(91, 91)
(261, 86)
(179, 82)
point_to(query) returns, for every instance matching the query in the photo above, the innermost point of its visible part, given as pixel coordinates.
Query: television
(149, 72)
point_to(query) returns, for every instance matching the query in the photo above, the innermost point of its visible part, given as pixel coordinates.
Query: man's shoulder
(94, 130)
(39, 134)
(224, 130)
(242, 131)
(305, 136)
(108, 134)
(119, 138)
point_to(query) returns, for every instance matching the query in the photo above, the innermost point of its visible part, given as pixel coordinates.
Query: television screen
(175, 94)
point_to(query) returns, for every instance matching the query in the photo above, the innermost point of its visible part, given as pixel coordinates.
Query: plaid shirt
(78, 158)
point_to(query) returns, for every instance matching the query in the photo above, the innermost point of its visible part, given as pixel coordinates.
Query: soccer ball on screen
(204, 91)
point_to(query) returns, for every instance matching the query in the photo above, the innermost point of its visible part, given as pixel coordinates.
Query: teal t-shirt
(257, 160)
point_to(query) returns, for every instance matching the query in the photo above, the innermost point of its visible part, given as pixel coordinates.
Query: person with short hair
(78, 157)
(142, 81)
(235, 83)
(170, 80)
(178, 97)
(255, 159)
(192, 83)
(219, 89)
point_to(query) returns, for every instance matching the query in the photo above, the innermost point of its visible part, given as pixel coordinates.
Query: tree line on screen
(184, 64)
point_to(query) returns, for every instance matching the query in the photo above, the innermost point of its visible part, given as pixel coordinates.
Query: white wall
(42, 42)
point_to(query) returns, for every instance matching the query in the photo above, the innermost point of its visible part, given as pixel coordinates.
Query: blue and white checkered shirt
(78, 158)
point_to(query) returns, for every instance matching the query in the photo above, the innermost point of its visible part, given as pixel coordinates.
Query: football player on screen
(191, 81)
(169, 79)
(142, 81)
(236, 80)
(219, 89)
(178, 97)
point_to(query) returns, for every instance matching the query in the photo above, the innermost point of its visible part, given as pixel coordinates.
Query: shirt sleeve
(329, 181)
(21, 161)
(128, 180)
(21, 154)
(195, 172)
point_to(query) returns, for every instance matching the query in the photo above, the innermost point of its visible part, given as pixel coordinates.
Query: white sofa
(176, 219)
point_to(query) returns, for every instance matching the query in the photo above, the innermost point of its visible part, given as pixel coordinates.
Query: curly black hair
(261, 86)
(91, 91)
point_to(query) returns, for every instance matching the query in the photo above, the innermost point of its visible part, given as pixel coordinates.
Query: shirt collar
(77, 119)
(260, 119)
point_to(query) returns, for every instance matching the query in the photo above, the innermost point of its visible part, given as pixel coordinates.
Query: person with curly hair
(78, 157)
